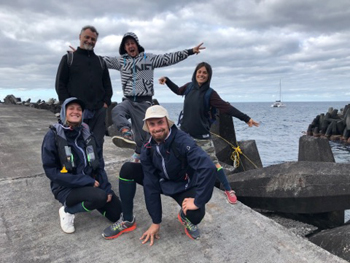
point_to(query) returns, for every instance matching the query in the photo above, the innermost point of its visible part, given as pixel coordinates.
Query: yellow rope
(235, 156)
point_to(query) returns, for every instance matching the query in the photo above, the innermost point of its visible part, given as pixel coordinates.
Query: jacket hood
(210, 73)
(122, 50)
(64, 107)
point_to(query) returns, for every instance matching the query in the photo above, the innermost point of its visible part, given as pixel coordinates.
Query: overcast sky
(251, 45)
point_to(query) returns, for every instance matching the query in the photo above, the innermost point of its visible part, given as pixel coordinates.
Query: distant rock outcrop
(52, 104)
(333, 125)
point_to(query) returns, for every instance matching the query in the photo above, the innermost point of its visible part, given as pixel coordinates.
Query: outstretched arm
(172, 86)
(226, 108)
(172, 58)
(252, 123)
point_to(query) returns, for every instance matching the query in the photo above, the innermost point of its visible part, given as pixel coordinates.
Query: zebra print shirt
(137, 73)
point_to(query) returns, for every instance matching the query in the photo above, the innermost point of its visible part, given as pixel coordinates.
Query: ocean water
(277, 137)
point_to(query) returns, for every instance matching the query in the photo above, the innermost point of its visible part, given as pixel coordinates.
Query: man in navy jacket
(171, 164)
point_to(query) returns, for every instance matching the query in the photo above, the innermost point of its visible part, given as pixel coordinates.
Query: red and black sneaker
(119, 228)
(191, 230)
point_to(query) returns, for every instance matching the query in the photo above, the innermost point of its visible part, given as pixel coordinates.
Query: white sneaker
(67, 221)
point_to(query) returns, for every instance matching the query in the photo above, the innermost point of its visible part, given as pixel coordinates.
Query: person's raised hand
(72, 49)
(252, 123)
(162, 80)
(197, 49)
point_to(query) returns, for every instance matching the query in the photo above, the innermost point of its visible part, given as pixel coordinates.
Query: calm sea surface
(277, 137)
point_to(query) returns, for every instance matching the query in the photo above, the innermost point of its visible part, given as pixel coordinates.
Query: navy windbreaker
(162, 171)
(61, 182)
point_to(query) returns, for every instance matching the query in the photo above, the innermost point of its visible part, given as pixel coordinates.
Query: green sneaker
(191, 230)
(119, 228)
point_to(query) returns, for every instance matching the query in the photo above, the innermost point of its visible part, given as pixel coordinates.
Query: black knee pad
(127, 171)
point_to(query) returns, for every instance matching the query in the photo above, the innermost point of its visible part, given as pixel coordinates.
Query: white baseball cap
(156, 111)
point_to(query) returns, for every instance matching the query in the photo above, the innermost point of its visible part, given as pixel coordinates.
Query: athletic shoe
(127, 134)
(191, 230)
(119, 228)
(67, 221)
(123, 142)
(231, 196)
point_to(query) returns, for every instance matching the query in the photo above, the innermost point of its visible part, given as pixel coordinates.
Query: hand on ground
(150, 234)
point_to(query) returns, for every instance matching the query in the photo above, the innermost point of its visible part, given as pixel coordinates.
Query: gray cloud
(251, 45)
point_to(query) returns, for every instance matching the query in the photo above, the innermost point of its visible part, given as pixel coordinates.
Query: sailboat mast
(280, 91)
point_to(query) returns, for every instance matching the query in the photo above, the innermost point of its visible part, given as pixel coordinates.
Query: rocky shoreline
(52, 104)
(333, 125)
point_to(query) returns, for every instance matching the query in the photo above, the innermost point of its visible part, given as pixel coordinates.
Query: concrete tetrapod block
(295, 187)
(224, 138)
(248, 159)
(224, 127)
(336, 241)
(223, 131)
(315, 149)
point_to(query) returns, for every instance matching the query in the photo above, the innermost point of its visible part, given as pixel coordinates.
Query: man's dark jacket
(85, 79)
(163, 171)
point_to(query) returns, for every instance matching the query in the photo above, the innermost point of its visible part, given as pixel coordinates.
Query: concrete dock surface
(30, 230)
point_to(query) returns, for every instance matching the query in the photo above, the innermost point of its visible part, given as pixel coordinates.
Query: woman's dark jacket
(63, 182)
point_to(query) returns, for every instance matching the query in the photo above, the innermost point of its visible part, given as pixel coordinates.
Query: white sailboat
(278, 103)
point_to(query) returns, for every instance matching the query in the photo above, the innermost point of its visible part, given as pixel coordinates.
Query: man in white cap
(171, 164)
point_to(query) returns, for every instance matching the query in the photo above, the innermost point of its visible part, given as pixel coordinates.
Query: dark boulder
(10, 99)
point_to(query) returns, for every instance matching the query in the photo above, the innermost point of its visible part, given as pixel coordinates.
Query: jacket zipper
(163, 163)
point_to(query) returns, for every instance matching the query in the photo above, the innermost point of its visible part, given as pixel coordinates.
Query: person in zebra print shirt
(137, 69)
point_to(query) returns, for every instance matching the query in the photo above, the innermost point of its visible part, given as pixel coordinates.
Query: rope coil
(236, 154)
